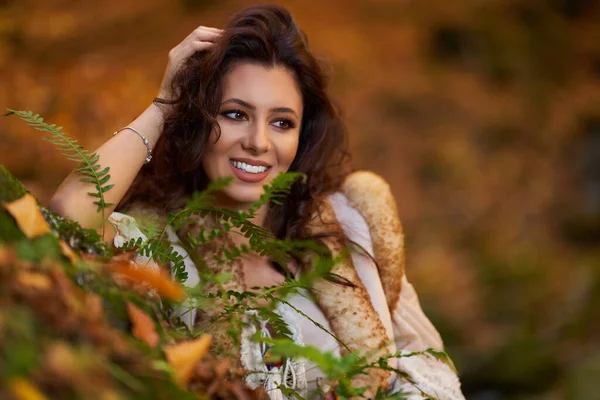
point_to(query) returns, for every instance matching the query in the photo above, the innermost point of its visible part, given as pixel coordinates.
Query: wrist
(150, 123)
(164, 94)
(144, 140)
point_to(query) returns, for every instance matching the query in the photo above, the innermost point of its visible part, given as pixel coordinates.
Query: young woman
(249, 102)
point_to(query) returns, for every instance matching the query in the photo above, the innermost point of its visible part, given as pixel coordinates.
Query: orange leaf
(159, 281)
(5, 255)
(143, 326)
(28, 216)
(94, 307)
(184, 357)
(23, 390)
(68, 251)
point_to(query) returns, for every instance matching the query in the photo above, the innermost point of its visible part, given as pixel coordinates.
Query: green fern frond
(277, 190)
(288, 392)
(278, 324)
(163, 253)
(132, 244)
(90, 169)
(261, 240)
(199, 202)
(150, 229)
(443, 357)
(317, 324)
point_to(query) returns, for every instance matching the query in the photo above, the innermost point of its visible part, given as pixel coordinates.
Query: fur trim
(372, 197)
(349, 309)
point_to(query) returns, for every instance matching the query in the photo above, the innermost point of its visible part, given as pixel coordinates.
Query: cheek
(288, 150)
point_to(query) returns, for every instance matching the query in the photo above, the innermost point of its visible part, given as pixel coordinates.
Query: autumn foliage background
(483, 116)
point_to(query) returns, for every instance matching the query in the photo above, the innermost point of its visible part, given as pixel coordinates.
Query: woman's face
(259, 117)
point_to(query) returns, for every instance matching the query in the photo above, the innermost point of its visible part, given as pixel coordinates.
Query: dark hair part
(266, 35)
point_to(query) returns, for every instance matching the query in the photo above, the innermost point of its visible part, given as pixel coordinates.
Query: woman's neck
(260, 215)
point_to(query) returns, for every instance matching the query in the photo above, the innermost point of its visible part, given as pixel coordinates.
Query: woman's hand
(200, 39)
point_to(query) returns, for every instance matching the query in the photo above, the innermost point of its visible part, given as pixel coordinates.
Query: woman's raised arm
(125, 153)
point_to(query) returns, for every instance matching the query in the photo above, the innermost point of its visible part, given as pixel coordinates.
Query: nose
(257, 140)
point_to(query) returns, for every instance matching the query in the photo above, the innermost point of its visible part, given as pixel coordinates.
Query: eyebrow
(251, 107)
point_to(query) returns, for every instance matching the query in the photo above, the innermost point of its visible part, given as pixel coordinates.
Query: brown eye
(236, 115)
(284, 124)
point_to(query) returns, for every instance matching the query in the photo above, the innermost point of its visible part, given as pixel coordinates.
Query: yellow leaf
(34, 280)
(184, 357)
(28, 216)
(23, 390)
(143, 326)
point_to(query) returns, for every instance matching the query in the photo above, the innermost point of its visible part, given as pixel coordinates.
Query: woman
(249, 102)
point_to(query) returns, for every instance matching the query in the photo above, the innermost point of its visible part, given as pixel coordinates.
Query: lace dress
(406, 323)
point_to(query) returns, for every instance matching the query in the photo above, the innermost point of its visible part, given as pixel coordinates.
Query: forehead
(262, 86)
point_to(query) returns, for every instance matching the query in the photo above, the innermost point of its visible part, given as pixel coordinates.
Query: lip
(248, 176)
(250, 161)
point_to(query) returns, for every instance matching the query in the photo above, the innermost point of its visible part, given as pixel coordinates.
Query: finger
(205, 35)
(195, 47)
(195, 36)
(201, 35)
(200, 45)
(209, 28)
(186, 50)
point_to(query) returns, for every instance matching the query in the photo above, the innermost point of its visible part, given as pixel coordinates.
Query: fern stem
(318, 325)
(73, 151)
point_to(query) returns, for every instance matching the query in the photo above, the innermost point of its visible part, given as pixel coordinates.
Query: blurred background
(484, 116)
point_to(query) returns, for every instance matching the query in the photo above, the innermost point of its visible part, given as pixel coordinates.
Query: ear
(371, 195)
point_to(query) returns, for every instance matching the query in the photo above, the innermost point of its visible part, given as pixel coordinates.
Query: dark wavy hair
(266, 35)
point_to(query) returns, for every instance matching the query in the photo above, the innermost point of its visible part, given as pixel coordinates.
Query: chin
(244, 194)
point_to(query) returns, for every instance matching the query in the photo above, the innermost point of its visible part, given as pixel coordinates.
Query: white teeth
(253, 169)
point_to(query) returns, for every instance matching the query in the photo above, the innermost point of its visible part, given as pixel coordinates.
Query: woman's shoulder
(367, 185)
(365, 205)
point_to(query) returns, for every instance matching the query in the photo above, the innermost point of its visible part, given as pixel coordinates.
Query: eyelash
(289, 122)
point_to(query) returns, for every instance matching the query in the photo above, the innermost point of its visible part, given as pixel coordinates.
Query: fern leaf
(74, 152)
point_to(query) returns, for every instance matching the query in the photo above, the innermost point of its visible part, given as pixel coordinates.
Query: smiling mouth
(249, 168)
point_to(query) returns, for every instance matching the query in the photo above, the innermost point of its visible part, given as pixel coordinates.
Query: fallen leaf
(23, 390)
(27, 214)
(159, 281)
(110, 395)
(68, 251)
(184, 357)
(61, 360)
(94, 307)
(34, 280)
(143, 326)
(5, 256)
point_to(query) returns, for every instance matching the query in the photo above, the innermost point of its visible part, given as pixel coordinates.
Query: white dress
(407, 324)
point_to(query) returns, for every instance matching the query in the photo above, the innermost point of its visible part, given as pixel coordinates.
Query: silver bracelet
(149, 155)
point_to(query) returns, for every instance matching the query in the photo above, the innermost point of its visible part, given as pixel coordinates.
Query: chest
(258, 271)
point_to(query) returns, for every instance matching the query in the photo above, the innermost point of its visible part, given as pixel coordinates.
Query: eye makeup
(287, 123)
